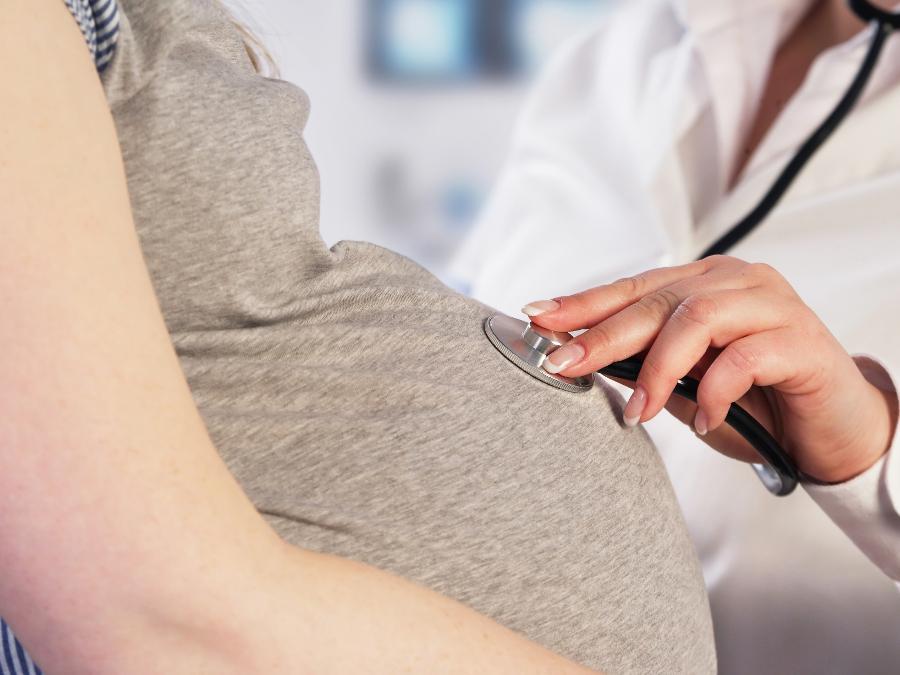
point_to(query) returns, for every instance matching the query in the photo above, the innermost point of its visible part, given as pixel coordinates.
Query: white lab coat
(620, 164)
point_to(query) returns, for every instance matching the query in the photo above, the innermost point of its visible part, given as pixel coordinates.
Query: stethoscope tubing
(809, 148)
(738, 419)
(866, 11)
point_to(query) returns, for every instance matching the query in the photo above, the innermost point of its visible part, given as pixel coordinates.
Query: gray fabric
(355, 397)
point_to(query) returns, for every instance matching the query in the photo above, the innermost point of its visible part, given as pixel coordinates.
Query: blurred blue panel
(425, 39)
(461, 40)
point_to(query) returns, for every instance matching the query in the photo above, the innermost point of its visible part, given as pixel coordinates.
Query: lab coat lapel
(668, 117)
(736, 41)
(823, 88)
(700, 103)
(837, 170)
(839, 165)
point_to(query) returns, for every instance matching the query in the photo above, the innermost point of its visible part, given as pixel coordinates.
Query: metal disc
(509, 336)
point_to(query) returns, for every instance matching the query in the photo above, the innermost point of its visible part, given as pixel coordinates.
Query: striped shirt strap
(99, 23)
(14, 660)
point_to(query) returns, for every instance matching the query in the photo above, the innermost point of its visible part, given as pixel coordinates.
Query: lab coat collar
(710, 16)
(727, 51)
(709, 78)
(825, 84)
(736, 42)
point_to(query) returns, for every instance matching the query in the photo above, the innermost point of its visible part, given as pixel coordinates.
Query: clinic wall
(403, 166)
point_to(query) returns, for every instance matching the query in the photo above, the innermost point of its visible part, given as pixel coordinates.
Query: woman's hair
(259, 55)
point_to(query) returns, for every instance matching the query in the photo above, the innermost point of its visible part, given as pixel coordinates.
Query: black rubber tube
(867, 11)
(809, 148)
(738, 419)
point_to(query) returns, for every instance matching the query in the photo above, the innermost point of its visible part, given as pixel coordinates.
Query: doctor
(644, 142)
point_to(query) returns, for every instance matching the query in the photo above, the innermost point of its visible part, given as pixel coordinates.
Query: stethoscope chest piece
(528, 346)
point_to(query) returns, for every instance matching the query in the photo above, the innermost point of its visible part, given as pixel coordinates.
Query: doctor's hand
(745, 334)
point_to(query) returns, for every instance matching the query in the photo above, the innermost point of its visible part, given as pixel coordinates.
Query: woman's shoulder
(99, 23)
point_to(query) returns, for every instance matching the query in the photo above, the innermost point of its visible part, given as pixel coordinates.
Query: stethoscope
(528, 346)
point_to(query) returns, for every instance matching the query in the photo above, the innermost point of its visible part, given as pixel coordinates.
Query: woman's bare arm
(125, 543)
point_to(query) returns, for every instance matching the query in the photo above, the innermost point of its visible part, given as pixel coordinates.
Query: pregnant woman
(225, 448)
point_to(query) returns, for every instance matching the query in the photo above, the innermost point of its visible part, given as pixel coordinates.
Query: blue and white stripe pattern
(99, 23)
(14, 660)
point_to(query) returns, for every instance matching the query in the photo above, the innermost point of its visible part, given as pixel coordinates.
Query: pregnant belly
(379, 424)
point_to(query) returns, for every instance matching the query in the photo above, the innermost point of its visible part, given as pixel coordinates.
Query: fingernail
(564, 358)
(701, 423)
(635, 407)
(542, 307)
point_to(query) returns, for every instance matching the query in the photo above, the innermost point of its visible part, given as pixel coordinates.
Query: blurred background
(413, 104)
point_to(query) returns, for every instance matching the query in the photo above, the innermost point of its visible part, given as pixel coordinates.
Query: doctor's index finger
(590, 307)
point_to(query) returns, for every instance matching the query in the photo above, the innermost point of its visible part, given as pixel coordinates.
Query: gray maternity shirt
(356, 398)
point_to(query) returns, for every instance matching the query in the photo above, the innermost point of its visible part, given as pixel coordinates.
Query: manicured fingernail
(542, 307)
(564, 358)
(635, 407)
(701, 423)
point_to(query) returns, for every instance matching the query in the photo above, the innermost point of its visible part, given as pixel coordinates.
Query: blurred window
(428, 38)
(415, 41)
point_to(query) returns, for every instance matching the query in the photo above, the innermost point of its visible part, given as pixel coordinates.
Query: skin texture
(737, 327)
(126, 545)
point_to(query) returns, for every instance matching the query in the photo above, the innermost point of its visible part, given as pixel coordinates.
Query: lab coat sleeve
(867, 508)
